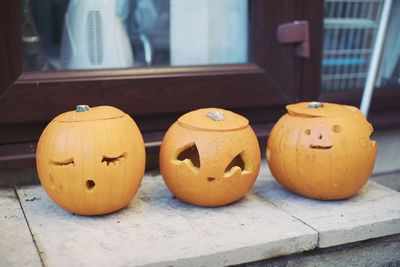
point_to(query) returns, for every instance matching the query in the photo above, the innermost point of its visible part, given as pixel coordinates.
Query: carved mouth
(320, 147)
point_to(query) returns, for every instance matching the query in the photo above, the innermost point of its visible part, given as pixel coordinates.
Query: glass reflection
(108, 34)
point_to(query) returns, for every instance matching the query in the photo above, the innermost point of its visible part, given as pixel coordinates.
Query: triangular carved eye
(240, 161)
(190, 154)
(237, 161)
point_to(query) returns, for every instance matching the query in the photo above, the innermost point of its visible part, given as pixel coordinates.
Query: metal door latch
(295, 32)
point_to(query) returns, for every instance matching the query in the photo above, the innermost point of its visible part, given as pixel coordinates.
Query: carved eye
(67, 162)
(190, 155)
(336, 128)
(242, 162)
(113, 160)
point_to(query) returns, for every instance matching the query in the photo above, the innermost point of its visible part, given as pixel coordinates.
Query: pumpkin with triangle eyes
(210, 157)
(91, 161)
(322, 150)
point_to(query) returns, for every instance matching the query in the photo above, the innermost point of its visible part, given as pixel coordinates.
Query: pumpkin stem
(315, 105)
(82, 108)
(215, 115)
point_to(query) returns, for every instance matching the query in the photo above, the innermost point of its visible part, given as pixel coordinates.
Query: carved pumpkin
(322, 150)
(210, 157)
(91, 161)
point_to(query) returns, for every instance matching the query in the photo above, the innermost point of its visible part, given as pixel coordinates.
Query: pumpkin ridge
(189, 127)
(102, 119)
(327, 110)
(302, 115)
(213, 120)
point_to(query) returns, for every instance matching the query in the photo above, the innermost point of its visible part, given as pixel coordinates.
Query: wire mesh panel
(349, 31)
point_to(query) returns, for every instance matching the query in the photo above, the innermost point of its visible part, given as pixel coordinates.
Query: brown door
(258, 87)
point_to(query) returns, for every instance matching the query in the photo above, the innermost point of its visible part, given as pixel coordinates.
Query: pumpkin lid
(320, 109)
(84, 113)
(213, 119)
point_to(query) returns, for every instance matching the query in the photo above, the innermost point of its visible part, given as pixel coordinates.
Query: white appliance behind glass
(93, 36)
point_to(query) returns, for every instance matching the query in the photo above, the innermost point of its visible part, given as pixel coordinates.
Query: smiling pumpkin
(322, 150)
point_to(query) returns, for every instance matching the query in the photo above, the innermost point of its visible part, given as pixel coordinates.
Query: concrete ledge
(390, 180)
(383, 251)
(388, 156)
(16, 244)
(373, 212)
(157, 229)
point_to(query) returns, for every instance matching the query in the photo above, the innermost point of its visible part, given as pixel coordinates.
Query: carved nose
(90, 184)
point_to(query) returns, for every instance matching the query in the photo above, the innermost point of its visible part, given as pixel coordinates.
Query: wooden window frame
(156, 97)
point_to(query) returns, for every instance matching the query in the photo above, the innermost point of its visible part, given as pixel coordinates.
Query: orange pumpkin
(91, 161)
(322, 150)
(210, 157)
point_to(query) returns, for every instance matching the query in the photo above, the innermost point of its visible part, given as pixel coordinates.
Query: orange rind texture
(322, 153)
(91, 162)
(209, 162)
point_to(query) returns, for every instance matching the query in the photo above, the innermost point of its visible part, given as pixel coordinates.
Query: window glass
(107, 34)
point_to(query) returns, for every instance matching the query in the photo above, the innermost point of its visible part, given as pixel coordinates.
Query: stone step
(16, 245)
(373, 212)
(156, 229)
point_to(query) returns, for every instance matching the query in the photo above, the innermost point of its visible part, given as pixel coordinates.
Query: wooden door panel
(155, 97)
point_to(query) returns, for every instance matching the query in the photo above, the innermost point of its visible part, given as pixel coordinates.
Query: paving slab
(388, 156)
(373, 212)
(16, 244)
(156, 229)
